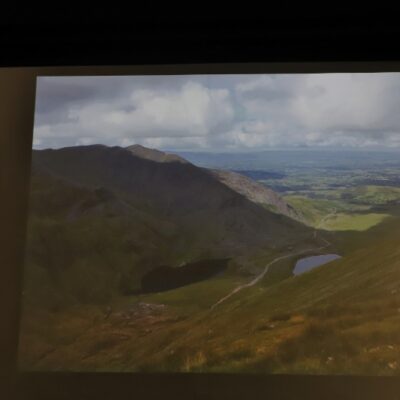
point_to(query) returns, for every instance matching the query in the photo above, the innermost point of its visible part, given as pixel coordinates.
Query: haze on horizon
(221, 113)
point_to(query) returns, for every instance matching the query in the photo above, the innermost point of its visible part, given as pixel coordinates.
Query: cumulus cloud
(221, 112)
(349, 102)
(193, 111)
(190, 111)
(356, 110)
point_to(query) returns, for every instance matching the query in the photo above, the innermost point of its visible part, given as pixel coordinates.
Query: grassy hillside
(80, 250)
(340, 318)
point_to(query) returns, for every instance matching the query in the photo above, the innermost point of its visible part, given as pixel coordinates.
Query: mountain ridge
(191, 196)
(242, 184)
(154, 154)
(254, 191)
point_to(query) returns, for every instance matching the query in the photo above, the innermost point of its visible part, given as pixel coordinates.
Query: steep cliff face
(255, 192)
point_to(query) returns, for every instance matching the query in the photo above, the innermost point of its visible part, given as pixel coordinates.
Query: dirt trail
(323, 219)
(264, 272)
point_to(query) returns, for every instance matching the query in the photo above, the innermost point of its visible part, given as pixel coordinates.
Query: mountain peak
(154, 155)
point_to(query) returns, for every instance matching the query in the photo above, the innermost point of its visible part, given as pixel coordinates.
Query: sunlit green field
(356, 222)
(339, 210)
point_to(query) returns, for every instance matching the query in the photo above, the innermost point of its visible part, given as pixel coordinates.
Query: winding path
(265, 270)
(323, 219)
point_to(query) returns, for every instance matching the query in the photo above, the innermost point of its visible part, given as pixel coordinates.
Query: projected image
(214, 223)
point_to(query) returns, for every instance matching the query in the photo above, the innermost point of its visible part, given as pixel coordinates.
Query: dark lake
(309, 263)
(166, 277)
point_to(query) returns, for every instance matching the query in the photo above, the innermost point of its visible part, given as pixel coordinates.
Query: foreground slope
(341, 318)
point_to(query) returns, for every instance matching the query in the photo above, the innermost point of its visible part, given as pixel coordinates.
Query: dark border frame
(17, 96)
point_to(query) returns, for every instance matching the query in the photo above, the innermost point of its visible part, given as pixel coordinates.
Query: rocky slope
(255, 192)
(154, 154)
(249, 188)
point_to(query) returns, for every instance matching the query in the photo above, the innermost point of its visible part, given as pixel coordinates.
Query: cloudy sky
(220, 112)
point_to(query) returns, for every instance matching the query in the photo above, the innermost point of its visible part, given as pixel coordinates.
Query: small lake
(309, 263)
(167, 277)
